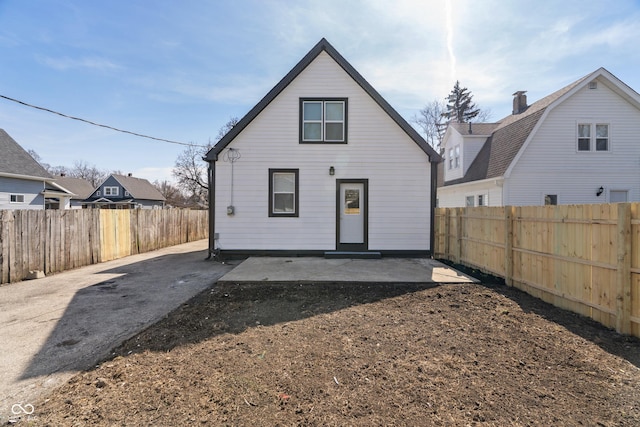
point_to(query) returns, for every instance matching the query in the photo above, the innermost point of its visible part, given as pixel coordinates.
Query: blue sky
(179, 70)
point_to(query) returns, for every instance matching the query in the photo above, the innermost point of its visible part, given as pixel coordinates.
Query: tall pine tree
(460, 107)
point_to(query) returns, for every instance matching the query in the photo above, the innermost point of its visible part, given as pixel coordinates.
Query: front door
(352, 216)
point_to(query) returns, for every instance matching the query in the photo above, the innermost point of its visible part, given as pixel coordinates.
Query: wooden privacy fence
(56, 240)
(583, 258)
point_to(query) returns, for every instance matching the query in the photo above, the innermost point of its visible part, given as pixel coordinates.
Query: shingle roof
(322, 46)
(139, 188)
(15, 160)
(507, 138)
(78, 186)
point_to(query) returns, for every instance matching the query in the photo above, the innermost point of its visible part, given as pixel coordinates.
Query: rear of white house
(578, 145)
(322, 163)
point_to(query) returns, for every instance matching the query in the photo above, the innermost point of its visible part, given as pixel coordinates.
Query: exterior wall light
(600, 191)
(332, 171)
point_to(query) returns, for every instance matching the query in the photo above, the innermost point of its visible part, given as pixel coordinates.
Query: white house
(322, 165)
(577, 145)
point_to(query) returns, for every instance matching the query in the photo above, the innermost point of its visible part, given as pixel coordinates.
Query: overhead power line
(98, 124)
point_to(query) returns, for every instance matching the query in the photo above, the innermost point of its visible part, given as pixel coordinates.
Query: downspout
(432, 220)
(212, 207)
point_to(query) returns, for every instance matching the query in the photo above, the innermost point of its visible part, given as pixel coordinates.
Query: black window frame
(296, 195)
(323, 121)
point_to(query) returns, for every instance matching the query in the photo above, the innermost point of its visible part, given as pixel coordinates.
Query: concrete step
(352, 255)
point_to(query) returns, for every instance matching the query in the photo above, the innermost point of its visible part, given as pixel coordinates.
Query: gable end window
(283, 192)
(323, 120)
(593, 137)
(111, 191)
(16, 198)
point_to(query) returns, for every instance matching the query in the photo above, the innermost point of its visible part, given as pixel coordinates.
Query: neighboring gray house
(125, 192)
(57, 197)
(22, 179)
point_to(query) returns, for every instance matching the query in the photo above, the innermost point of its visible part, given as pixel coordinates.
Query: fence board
(584, 258)
(58, 240)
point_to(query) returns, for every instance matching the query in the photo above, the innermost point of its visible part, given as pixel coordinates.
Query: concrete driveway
(51, 328)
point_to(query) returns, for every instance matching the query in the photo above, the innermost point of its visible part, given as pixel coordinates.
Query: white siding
(454, 139)
(378, 150)
(551, 163)
(455, 195)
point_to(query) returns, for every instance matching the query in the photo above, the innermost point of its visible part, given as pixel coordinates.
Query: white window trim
(111, 191)
(450, 158)
(456, 157)
(592, 135)
(17, 196)
(473, 201)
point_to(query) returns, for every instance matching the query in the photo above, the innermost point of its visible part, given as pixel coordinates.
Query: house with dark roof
(322, 165)
(23, 180)
(125, 192)
(67, 192)
(578, 145)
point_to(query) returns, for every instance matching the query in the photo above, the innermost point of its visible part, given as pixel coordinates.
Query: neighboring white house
(578, 145)
(23, 181)
(322, 163)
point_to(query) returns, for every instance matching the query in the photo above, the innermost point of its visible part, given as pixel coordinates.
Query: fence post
(445, 213)
(623, 277)
(458, 251)
(508, 245)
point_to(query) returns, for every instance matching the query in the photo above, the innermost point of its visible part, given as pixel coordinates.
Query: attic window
(593, 85)
(111, 191)
(323, 120)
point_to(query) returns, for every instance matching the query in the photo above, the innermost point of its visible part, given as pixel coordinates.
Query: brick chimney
(519, 101)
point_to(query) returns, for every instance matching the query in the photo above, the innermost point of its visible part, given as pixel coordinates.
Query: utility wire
(98, 124)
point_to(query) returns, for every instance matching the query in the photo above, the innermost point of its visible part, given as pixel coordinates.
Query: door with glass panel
(352, 215)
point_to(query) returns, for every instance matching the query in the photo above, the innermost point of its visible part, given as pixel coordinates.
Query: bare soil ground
(334, 355)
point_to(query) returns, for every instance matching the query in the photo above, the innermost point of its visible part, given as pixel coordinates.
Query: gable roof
(511, 133)
(322, 46)
(138, 188)
(16, 161)
(81, 188)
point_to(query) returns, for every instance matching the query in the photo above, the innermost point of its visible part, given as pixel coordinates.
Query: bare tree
(431, 122)
(190, 171)
(171, 193)
(91, 173)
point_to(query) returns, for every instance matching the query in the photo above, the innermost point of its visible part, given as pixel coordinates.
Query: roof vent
(593, 85)
(129, 174)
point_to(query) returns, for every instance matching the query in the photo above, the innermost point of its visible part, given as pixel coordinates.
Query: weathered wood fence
(584, 258)
(56, 240)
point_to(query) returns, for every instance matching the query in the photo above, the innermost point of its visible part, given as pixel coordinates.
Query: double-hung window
(323, 120)
(111, 191)
(457, 156)
(593, 137)
(283, 192)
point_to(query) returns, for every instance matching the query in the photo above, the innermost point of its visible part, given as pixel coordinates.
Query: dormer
(462, 143)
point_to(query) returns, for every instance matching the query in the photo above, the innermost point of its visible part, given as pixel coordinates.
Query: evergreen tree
(460, 107)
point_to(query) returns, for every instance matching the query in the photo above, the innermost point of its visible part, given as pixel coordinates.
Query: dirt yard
(311, 355)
